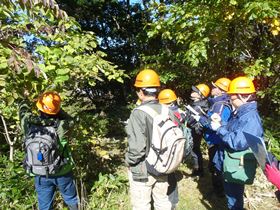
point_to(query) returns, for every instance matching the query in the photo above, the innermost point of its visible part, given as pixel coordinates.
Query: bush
(17, 191)
(272, 135)
(109, 192)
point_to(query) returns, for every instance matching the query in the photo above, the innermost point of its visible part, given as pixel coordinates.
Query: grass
(197, 194)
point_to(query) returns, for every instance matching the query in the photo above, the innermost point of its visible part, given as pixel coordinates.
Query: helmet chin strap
(244, 100)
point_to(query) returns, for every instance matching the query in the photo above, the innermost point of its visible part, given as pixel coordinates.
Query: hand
(273, 175)
(215, 125)
(216, 117)
(196, 117)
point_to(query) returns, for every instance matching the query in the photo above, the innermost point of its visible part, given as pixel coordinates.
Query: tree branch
(8, 139)
(6, 134)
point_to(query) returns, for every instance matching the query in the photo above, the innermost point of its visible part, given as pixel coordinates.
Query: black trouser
(196, 152)
(172, 180)
(217, 177)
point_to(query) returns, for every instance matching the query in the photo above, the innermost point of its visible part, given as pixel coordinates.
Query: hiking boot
(197, 172)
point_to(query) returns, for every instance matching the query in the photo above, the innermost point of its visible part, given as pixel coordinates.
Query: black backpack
(42, 155)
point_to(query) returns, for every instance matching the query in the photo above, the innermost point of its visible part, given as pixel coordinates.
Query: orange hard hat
(202, 89)
(49, 103)
(241, 85)
(167, 96)
(222, 83)
(147, 78)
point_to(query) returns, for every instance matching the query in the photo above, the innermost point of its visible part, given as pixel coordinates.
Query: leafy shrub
(109, 192)
(272, 135)
(17, 191)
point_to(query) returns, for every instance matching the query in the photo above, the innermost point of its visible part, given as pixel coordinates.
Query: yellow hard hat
(167, 96)
(49, 103)
(147, 78)
(241, 85)
(222, 83)
(203, 89)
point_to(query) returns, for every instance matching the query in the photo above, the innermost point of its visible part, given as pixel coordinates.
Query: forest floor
(197, 193)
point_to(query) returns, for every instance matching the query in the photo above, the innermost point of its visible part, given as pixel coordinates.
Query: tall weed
(109, 192)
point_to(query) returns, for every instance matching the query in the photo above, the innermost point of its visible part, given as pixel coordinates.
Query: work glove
(273, 175)
(216, 117)
(196, 117)
(215, 125)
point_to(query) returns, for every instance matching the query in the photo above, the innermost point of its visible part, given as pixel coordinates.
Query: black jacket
(201, 107)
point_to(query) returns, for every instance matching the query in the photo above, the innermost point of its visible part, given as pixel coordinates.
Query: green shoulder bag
(239, 166)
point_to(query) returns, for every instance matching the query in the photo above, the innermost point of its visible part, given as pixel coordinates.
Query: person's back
(45, 140)
(139, 130)
(145, 187)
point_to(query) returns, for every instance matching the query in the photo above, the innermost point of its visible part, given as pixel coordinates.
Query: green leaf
(2, 83)
(61, 79)
(49, 67)
(10, 100)
(62, 71)
(233, 2)
(3, 63)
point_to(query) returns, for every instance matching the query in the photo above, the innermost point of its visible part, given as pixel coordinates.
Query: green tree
(199, 41)
(42, 48)
(116, 23)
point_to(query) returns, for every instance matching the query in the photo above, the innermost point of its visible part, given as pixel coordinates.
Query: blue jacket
(221, 106)
(245, 118)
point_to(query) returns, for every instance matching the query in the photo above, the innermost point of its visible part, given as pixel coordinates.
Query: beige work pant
(141, 194)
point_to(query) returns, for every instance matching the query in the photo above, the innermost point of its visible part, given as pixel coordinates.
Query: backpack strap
(153, 113)
(150, 111)
(165, 110)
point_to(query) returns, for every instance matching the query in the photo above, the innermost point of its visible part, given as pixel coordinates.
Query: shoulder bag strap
(150, 111)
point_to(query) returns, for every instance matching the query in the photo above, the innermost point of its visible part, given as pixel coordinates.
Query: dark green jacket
(65, 123)
(139, 134)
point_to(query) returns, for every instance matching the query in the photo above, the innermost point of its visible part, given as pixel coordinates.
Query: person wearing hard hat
(145, 187)
(200, 105)
(169, 98)
(48, 156)
(244, 118)
(220, 106)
